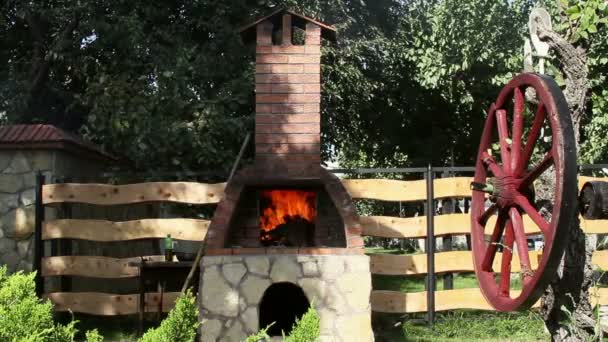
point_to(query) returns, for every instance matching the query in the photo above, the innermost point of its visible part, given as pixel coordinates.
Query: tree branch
(574, 66)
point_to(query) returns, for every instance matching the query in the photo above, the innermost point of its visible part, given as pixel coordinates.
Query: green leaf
(592, 28)
(573, 9)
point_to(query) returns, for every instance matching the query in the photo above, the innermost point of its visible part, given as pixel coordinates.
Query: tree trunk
(566, 306)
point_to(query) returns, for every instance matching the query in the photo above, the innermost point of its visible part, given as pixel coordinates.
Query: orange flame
(286, 204)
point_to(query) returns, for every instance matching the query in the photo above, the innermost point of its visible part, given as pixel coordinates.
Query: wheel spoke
(522, 242)
(505, 262)
(537, 170)
(539, 118)
(536, 217)
(488, 258)
(518, 129)
(492, 165)
(483, 218)
(503, 136)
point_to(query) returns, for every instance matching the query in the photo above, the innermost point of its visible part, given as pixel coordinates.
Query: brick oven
(286, 235)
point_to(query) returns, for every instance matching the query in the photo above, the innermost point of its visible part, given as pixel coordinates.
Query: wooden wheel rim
(510, 202)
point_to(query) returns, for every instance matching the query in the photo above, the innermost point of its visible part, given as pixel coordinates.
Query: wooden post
(38, 243)
(430, 246)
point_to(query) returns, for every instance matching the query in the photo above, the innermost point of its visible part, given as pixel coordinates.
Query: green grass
(112, 328)
(479, 326)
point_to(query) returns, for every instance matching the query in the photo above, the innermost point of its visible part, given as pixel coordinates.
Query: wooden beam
(415, 227)
(101, 230)
(452, 224)
(106, 304)
(202, 193)
(453, 261)
(386, 189)
(103, 194)
(471, 298)
(600, 259)
(92, 266)
(401, 302)
(406, 191)
(584, 179)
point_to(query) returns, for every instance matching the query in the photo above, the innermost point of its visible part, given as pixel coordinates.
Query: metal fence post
(430, 247)
(38, 243)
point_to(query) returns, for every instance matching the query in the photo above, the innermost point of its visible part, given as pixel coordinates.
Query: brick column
(288, 95)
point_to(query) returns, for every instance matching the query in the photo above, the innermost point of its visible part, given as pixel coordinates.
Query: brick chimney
(288, 90)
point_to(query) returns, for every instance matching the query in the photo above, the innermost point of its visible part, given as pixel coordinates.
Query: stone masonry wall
(231, 288)
(17, 201)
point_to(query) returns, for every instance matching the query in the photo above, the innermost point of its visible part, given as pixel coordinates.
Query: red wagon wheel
(509, 161)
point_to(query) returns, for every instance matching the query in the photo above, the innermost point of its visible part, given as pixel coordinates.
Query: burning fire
(285, 205)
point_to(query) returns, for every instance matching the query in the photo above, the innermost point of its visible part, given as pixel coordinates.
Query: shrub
(180, 325)
(306, 329)
(94, 336)
(23, 316)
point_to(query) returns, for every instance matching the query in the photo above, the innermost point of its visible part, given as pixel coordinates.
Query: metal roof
(41, 136)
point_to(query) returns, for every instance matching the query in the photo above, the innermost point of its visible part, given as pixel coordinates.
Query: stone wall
(231, 288)
(17, 201)
(18, 169)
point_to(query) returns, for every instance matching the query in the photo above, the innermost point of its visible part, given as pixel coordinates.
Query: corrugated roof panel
(26, 135)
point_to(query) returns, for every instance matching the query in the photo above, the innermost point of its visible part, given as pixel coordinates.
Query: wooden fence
(444, 262)
(104, 231)
(195, 229)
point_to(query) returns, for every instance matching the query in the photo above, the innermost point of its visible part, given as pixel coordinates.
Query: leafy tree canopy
(169, 84)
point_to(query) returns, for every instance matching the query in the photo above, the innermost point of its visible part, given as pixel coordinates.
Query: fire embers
(287, 217)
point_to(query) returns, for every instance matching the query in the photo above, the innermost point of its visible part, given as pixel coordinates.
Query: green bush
(26, 318)
(180, 325)
(94, 336)
(306, 329)
(23, 316)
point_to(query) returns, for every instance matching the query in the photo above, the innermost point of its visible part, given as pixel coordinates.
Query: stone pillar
(17, 201)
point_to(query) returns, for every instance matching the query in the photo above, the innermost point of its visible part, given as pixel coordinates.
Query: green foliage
(580, 19)
(476, 326)
(306, 328)
(23, 316)
(93, 336)
(180, 325)
(261, 335)
(170, 85)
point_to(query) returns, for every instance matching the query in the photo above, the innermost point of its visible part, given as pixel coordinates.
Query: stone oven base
(232, 286)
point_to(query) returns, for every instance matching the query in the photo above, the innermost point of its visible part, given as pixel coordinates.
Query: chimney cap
(248, 31)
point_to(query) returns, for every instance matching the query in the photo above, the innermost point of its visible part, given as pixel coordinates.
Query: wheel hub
(505, 190)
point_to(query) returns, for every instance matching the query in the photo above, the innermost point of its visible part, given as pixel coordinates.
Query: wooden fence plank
(202, 193)
(101, 230)
(454, 261)
(584, 179)
(415, 227)
(92, 266)
(106, 304)
(386, 189)
(104, 194)
(471, 298)
(452, 187)
(594, 226)
(401, 302)
(600, 259)
(452, 224)
(406, 191)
